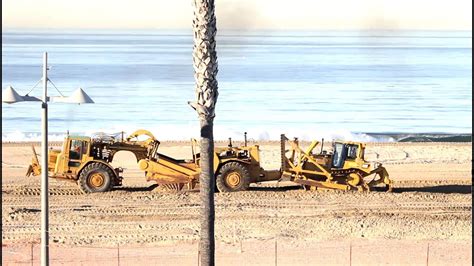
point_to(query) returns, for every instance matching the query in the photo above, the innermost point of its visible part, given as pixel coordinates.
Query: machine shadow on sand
(445, 189)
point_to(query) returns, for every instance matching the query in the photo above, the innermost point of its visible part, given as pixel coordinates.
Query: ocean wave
(18, 136)
(183, 133)
(222, 133)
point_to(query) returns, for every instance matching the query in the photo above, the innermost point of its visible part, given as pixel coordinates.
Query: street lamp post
(44, 166)
(11, 96)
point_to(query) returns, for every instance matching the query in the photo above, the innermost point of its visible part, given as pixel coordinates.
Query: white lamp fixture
(9, 95)
(78, 96)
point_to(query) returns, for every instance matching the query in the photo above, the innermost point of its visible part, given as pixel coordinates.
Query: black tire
(96, 177)
(233, 176)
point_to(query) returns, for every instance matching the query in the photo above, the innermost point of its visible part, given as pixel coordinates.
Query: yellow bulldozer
(86, 160)
(345, 168)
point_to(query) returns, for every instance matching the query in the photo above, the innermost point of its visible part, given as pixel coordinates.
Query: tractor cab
(75, 152)
(347, 152)
(67, 161)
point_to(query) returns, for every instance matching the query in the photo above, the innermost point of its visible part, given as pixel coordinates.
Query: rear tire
(96, 177)
(233, 176)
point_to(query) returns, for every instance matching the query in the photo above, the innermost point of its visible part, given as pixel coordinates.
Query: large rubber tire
(96, 177)
(233, 176)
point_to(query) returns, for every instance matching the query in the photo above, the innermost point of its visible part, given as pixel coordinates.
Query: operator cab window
(339, 155)
(77, 149)
(352, 151)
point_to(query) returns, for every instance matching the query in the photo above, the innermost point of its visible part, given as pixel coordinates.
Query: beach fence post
(32, 254)
(118, 254)
(276, 251)
(427, 254)
(350, 253)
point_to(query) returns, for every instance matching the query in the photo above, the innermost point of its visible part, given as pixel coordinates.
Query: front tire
(233, 176)
(96, 177)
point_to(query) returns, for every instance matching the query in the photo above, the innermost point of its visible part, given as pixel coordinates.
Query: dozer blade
(382, 173)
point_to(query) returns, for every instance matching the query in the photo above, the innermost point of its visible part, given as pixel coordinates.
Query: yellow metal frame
(296, 166)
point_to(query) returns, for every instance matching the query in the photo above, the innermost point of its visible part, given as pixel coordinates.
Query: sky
(240, 14)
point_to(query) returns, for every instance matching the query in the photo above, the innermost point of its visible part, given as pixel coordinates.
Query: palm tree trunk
(205, 72)
(207, 184)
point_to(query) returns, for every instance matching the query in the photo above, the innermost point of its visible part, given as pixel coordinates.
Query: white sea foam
(18, 136)
(183, 133)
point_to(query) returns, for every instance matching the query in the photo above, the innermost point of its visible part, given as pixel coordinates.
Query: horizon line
(9, 29)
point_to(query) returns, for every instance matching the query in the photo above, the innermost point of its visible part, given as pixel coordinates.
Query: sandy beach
(431, 205)
(143, 80)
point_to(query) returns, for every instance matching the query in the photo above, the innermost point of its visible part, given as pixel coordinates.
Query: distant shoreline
(424, 137)
(375, 138)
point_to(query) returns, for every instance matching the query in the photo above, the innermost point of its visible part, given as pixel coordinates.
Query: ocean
(358, 85)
